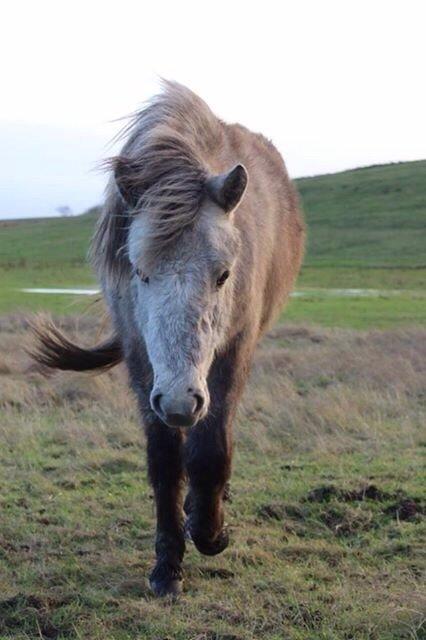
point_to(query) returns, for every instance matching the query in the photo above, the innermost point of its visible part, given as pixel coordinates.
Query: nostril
(156, 403)
(199, 402)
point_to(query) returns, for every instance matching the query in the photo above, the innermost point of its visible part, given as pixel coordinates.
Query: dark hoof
(211, 547)
(166, 581)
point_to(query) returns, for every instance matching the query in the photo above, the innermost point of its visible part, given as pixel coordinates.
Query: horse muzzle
(179, 410)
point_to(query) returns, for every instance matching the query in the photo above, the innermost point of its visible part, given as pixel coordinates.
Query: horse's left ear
(227, 189)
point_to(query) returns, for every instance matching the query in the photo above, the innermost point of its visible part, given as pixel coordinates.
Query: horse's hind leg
(208, 463)
(166, 474)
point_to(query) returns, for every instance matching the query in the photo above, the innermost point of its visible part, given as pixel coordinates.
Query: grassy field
(326, 513)
(328, 501)
(370, 217)
(366, 230)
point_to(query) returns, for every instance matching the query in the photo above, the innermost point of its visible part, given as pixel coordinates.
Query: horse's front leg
(208, 452)
(165, 466)
(208, 463)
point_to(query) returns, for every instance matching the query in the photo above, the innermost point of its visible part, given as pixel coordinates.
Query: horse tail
(55, 351)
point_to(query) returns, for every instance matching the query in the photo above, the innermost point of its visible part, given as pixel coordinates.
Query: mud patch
(406, 509)
(325, 493)
(345, 521)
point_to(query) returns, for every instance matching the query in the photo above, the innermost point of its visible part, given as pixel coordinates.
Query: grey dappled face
(182, 307)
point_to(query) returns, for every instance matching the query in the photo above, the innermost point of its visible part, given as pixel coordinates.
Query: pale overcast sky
(334, 84)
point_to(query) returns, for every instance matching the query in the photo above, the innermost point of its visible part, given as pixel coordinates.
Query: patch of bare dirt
(406, 509)
(325, 493)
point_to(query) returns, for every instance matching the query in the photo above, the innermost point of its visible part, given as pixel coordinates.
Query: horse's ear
(227, 189)
(125, 174)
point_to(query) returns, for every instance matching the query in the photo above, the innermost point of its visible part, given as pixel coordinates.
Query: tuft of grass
(326, 512)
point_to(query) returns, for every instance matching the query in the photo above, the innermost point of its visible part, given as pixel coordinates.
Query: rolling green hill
(366, 229)
(44, 242)
(375, 216)
(368, 217)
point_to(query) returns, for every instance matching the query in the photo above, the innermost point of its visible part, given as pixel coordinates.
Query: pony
(197, 249)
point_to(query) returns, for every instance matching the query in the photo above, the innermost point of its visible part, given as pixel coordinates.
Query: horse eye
(140, 275)
(221, 280)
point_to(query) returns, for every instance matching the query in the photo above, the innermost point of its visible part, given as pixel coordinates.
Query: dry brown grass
(336, 389)
(310, 389)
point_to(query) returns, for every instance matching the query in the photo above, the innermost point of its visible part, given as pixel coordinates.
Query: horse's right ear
(125, 174)
(227, 189)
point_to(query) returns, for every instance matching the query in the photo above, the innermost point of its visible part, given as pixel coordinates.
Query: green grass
(326, 514)
(12, 299)
(369, 217)
(44, 253)
(328, 498)
(341, 277)
(76, 566)
(46, 242)
(366, 229)
(407, 306)
(385, 311)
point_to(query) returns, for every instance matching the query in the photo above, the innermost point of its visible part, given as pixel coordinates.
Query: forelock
(166, 154)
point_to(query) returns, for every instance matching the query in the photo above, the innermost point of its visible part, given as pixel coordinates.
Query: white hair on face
(181, 314)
